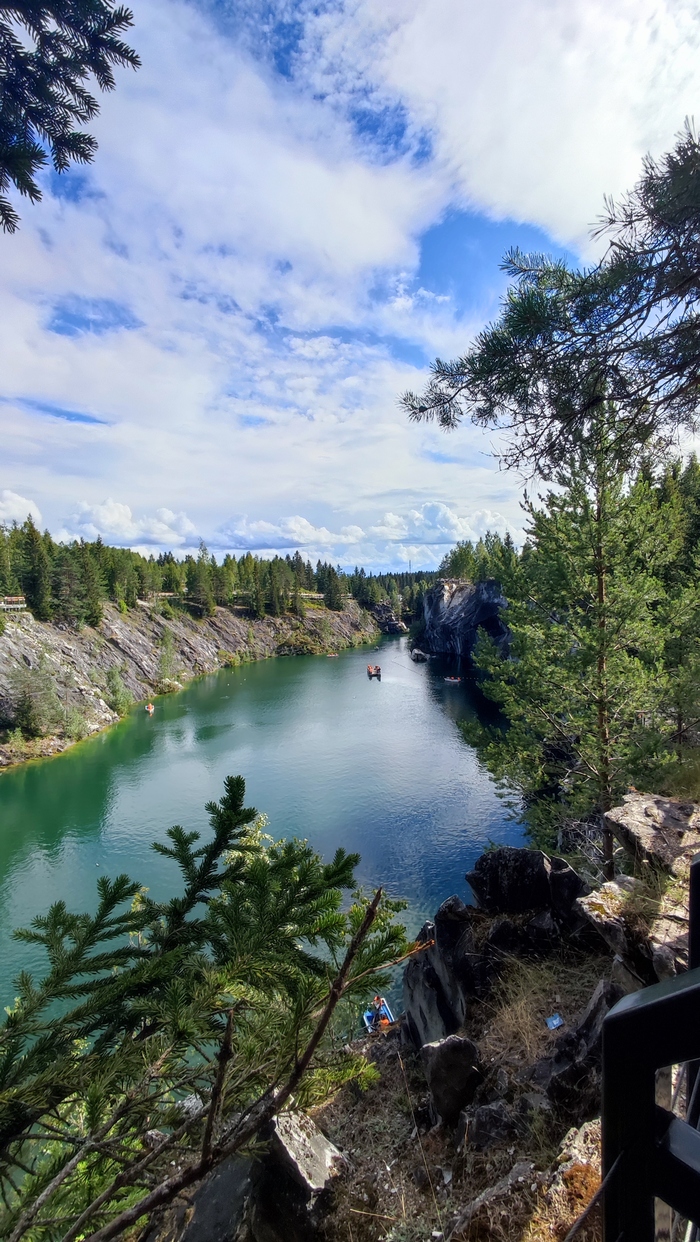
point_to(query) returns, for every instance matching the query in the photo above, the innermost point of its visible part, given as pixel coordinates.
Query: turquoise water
(379, 768)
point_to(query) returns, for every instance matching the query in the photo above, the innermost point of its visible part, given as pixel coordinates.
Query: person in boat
(379, 1014)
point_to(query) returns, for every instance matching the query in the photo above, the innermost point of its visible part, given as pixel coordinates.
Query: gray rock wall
(454, 611)
(78, 660)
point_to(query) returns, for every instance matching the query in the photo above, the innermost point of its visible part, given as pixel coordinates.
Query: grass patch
(528, 992)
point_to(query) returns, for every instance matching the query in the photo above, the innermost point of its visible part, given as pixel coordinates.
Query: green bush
(75, 725)
(118, 697)
(37, 710)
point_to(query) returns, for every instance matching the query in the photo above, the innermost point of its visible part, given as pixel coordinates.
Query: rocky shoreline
(133, 643)
(483, 1122)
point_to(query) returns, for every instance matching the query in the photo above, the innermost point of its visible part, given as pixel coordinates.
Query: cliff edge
(454, 611)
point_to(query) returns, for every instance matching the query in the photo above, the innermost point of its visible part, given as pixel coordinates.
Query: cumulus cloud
(421, 536)
(216, 317)
(534, 109)
(14, 508)
(116, 524)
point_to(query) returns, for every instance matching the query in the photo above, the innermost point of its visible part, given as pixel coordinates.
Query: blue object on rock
(554, 1022)
(378, 1016)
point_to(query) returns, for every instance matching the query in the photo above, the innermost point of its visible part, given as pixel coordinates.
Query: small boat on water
(453, 681)
(149, 708)
(374, 670)
(332, 655)
(378, 1016)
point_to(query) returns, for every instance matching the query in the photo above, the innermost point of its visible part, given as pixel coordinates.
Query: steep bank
(454, 611)
(150, 653)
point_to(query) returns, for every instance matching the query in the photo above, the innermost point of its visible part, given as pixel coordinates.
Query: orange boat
(150, 708)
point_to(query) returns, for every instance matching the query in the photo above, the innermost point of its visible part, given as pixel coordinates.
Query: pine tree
(258, 593)
(45, 66)
(36, 575)
(222, 994)
(333, 595)
(582, 685)
(92, 586)
(68, 601)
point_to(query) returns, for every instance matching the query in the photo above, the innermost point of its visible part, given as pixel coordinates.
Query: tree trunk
(605, 780)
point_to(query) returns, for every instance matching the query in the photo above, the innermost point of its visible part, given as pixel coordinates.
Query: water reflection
(379, 768)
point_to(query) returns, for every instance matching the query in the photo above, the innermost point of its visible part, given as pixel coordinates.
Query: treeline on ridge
(68, 583)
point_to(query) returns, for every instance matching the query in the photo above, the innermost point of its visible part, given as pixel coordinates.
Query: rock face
(570, 1078)
(657, 830)
(452, 1072)
(438, 983)
(387, 619)
(511, 881)
(78, 661)
(215, 1210)
(454, 611)
(292, 1183)
(649, 935)
(534, 898)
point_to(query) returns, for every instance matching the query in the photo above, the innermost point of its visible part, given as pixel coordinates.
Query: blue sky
(295, 206)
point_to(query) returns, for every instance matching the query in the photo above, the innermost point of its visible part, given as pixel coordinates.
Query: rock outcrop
(387, 620)
(292, 1182)
(132, 643)
(534, 900)
(454, 611)
(571, 1076)
(662, 831)
(452, 1073)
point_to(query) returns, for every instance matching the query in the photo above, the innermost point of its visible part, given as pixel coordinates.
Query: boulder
(429, 1015)
(293, 1182)
(662, 831)
(453, 1075)
(439, 984)
(454, 611)
(646, 928)
(576, 1170)
(512, 881)
(490, 1124)
(418, 656)
(216, 1209)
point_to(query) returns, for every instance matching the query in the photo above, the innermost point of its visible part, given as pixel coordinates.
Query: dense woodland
(68, 582)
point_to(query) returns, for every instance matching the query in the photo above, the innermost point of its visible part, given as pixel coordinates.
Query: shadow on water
(377, 768)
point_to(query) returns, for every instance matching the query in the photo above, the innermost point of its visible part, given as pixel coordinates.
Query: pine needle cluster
(164, 1034)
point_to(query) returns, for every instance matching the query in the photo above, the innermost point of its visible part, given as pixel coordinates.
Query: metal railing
(649, 1153)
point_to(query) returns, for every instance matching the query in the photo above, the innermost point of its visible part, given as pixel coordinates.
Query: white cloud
(116, 524)
(14, 508)
(269, 254)
(421, 536)
(535, 108)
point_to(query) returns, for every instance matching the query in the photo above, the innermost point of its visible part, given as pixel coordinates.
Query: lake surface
(380, 768)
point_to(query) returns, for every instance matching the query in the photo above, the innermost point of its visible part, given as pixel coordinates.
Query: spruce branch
(267, 1106)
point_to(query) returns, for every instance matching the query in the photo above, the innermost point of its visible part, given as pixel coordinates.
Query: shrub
(75, 725)
(118, 697)
(37, 710)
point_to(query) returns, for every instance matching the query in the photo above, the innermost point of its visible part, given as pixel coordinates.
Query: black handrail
(658, 1153)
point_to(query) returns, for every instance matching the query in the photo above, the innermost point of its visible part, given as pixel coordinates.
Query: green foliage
(36, 707)
(168, 666)
(74, 724)
(180, 1018)
(492, 557)
(48, 52)
(118, 697)
(333, 594)
(600, 662)
(568, 341)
